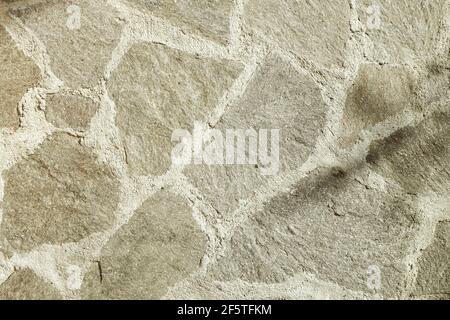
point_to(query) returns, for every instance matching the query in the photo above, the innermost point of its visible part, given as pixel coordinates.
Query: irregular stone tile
(161, 245)
(433, 277)
(70, 111)
(435, 83)
(378, 93)
(58, 194)
(88, 30)
(277, 98)
(310, 29)
(18, 74)
(404, 27)
(332, 225)
(24, 284)
(417, 158)
(205, 18)
(157, 90)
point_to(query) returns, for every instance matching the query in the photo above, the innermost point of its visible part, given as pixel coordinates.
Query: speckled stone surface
(315, 138)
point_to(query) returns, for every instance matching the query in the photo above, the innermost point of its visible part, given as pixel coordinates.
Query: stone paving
(92, 205)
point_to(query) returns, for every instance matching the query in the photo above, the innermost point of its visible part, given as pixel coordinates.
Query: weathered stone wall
(91, 205)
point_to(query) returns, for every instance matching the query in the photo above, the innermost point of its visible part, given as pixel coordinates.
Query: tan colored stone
(70, 111)
(332, 224)
(433, 277)
(58, 194)
(206, 18)
(18, 74)
(379, 92)
(307, 28)
(157, 90)
(277, 98)
(435, 83)
(78, 53)
(405, 28)
(161, 245)
(326, 237)
(416, 158)
(24, 284)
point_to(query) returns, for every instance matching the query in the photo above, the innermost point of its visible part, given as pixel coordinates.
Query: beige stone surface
(433, 279)
(405, 27)
(278, 97)
(79, 51)
(70, 111)
(157, 90)
(355, 206)
(331, 225)
(416, 158)
(18, 74)
(58, 194)
(308, 29)
(24, 284)
(204, 18)
(160, 246)
(435, 84)
(379, 92)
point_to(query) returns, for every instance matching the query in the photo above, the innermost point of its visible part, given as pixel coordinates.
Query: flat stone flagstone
(158, 89)
(309, 29)
(19, 74)
(70, 111)
(58, 194)
(24, 284)
(79, 36)
(207, 18)
(158, 247)
(224, 149)
(278, 97)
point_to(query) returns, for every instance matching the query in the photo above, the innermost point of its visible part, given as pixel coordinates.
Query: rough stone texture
(157, 90)
(70, 111)
(433, 278)
(379, 92)
(207, 18)
(159, 246)
(331, 225)
(277, 98)
(78, 55)
(24, 284)
(91, 207)
(306, 28)
(58, 194)
(436, 82)
(18, 74)
(416, 158)
(405, 27)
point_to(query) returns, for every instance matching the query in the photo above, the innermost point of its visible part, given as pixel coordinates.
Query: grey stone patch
(24, 284)
(277, 98)
(70, 111)
(206, 18)
(157, 90)
(332, 224)
(379, 92)
(78, 56)
(435, 83)
(406, 27)
(58, 194)
(320, 240)
(161, 245)
(416, 158)
(18, 74)
(433, 277)
(306, 28)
